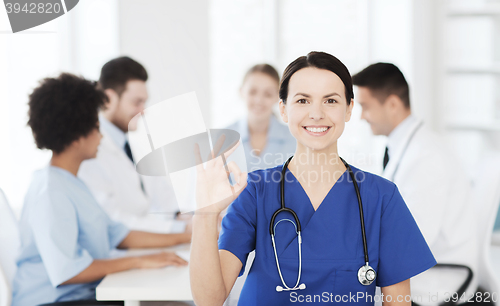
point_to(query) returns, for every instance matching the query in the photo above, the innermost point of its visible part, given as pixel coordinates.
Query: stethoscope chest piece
(366, 275)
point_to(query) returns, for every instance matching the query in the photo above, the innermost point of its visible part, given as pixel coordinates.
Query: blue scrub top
(332, 249)
(63, 229)
(280, 144)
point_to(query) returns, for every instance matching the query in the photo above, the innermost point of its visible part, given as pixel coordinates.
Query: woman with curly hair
(66, 237)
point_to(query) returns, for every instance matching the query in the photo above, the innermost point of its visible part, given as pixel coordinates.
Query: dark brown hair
(383, 80)
(63, 109)
(265, 69)
(117, 72)
(320, 60)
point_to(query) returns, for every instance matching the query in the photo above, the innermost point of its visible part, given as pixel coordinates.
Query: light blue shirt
(280, 145)
(62, 230)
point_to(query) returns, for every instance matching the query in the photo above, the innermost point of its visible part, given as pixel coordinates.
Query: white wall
(468, 52)
(29, 56)
(390, 33)
(424, 59)
(170, 38)
(242, 34)
(359, 33)
(248, 32)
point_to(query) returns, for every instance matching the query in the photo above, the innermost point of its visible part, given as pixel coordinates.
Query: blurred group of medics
(124, 194)
(89, 201)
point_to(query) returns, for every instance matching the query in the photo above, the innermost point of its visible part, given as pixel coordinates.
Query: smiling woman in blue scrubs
(316, 102)
(66, 237)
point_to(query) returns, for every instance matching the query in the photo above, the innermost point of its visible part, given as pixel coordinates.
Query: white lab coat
(112, 179)
(437, 192)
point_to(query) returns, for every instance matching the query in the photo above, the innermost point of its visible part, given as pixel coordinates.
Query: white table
(133, 286)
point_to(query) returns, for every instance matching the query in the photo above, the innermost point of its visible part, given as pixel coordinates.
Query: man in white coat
(140, 202)
(429, 178)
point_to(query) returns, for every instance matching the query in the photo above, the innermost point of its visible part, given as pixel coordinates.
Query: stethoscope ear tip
(302, 286)
(279, 288)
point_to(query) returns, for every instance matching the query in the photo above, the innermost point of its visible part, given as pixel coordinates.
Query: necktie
(128, 151)
(386, 157)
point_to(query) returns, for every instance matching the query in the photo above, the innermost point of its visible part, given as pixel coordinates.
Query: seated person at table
(144, 203)
(66, 237)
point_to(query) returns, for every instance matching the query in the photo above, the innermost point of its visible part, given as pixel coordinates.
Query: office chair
(486, 196)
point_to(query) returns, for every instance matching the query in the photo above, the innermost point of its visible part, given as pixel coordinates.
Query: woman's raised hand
(214, 193)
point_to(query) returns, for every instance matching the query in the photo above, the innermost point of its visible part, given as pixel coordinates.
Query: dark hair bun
(320, 60)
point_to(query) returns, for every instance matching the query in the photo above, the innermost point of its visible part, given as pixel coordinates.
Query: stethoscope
(366, 274)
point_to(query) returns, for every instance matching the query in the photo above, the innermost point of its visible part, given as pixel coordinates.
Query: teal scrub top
(332, 249)
(63, 229)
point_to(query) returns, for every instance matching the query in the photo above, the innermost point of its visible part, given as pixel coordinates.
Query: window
(244, 33)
